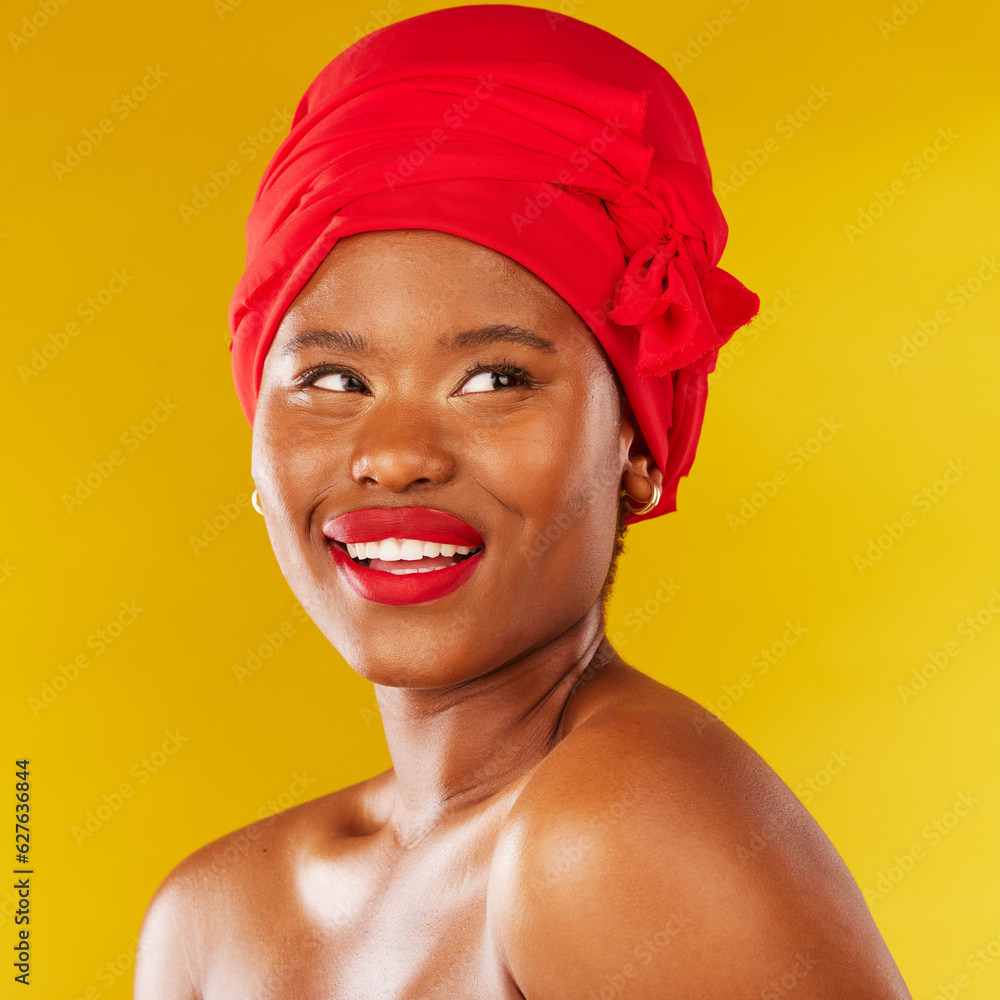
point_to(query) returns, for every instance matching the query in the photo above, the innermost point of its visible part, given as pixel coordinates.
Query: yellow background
(303, 715)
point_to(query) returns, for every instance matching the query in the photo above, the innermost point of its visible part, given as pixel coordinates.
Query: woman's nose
(401, 450)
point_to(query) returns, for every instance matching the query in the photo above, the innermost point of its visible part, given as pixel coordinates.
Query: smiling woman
(466, 371)
(485, 421)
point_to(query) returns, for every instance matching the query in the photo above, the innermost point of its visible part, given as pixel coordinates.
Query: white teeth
(406, 549)
(389, 549)
(411, 549)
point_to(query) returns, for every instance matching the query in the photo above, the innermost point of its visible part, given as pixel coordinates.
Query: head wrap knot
(545, 139)
(683, 305)
(668, 291)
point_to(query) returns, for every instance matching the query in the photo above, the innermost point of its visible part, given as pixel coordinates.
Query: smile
(403, 555)
(390, 555)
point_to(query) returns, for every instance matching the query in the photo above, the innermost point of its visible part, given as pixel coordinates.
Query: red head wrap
(541, 137)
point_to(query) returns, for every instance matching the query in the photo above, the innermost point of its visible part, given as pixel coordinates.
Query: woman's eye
(339, 382)
(487, 381)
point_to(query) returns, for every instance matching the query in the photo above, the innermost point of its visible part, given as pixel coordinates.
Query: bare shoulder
(654, 848)
(199, 905)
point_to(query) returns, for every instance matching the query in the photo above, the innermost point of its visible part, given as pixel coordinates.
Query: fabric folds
(541, 137)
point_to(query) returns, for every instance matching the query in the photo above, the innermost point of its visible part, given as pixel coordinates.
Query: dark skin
(556, 824)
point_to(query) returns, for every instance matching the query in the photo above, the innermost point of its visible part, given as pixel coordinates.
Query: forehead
(422, 279)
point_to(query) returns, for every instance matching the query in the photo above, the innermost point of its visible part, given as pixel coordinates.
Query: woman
(480, 305)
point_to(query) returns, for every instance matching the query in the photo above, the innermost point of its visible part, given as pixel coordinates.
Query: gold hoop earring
(647, 507)
(255, 500)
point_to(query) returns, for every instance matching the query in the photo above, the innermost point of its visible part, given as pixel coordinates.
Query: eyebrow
(336, 340)
(353, 343)
(503, 333)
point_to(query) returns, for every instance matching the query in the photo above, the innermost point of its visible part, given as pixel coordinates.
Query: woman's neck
(455, 746)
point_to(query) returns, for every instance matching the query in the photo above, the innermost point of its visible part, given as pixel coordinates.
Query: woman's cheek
(560, 475)
(521, 463)
(292, 455)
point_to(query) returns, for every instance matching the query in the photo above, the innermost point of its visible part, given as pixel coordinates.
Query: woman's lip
(372, 524)
(411, 588)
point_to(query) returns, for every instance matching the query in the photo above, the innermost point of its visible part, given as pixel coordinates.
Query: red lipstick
(373, 524)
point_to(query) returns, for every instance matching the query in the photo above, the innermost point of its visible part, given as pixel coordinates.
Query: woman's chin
(390, 670)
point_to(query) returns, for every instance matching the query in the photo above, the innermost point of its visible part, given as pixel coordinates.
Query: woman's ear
(639, 469)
